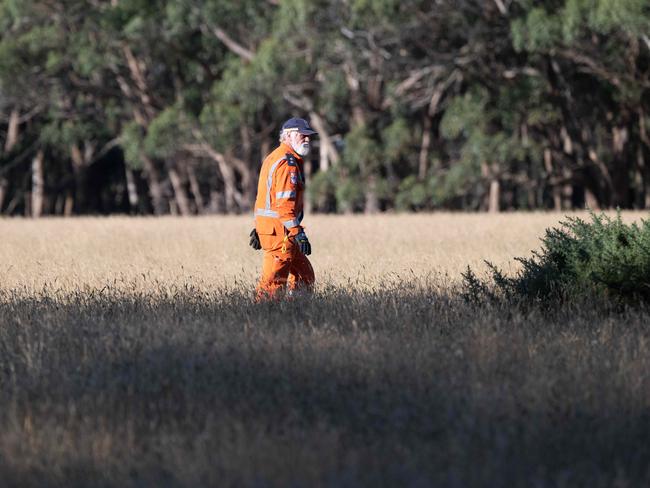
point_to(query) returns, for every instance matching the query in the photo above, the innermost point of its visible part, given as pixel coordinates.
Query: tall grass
(348, 251)
(165, 376)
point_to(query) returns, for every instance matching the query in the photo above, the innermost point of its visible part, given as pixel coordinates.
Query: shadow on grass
(409, 388)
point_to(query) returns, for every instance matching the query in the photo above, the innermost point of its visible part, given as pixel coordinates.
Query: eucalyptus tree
(596, 59)
(418, 104)
(28, 74)
(48, 73)
(190, 78)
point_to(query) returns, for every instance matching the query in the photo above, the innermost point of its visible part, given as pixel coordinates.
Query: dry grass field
(131, 354)
(211, 253)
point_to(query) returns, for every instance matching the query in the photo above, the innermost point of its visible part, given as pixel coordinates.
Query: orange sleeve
(285, 191)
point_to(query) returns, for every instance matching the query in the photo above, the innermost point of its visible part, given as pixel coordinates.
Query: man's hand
(303, 243)
(255, 240)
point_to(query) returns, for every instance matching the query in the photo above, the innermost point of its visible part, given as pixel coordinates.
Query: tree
(493, 105)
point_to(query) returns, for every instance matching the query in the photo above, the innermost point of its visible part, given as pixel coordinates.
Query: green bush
(604, 257)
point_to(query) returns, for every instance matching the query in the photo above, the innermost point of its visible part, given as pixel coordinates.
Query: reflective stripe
(269, 181)
(266, 213)
(285, 194)
(290, 223)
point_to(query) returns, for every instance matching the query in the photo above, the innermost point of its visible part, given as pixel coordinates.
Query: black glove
(303, 243)
(255, 240)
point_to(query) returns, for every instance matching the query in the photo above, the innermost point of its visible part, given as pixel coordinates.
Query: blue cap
(301, 125)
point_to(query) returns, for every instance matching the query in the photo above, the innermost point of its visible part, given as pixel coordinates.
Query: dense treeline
(163, 106)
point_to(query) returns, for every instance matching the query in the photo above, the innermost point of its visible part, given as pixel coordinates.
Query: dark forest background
(169, 106)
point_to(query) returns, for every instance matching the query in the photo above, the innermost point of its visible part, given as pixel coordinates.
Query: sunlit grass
(212, 252)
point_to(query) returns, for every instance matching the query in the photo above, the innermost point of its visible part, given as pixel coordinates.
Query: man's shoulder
(290, 159)
(275, 156)
(281, 157)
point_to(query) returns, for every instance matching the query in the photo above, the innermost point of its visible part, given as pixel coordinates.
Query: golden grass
(212, 252)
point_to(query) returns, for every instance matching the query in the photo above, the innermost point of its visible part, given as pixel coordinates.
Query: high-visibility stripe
(290, 223)
(285, 194)
(269, 181)
(264, 212)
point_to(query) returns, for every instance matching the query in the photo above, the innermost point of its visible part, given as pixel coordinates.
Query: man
(279, 213)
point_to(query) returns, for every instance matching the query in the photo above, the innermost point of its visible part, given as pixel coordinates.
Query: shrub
(604, 257)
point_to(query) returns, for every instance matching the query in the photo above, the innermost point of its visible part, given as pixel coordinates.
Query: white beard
(302, 149)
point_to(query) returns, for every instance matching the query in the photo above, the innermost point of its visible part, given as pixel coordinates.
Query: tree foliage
(170, 105)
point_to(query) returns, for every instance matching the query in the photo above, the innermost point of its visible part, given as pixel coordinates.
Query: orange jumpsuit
(278, 214)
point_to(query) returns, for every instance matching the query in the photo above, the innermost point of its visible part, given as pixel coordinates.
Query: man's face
(299, 142)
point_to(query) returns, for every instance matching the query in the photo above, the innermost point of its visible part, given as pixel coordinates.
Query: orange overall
(278, 214)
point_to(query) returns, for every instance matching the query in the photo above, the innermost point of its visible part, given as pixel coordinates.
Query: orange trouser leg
(301, 274)
(284, 266)
(275, 272)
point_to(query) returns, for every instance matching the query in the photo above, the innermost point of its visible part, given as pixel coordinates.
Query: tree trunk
(639, 183)
(642, 159)
(643, 172)
(196, 189)
(137, 69)
(555, 188)
(424, 148)
(576, 141)
(155, 187)
(329, 156)
(231, 195)
(38, 184)
(591, 201)
(493, 196)
(230, 190)
(226, 165)
(358, 119)
(601, 183)
(131, 188)
(13, 203)
(143, 114)
(531, 194)
(10, 142)
(493, 199)
(80, 162)
(12, 130)
(246, 146)
(372, 201)
(182, 200)
(621, 168)
(68, 205)
(567, 189)
(245, 200)
(79, 171)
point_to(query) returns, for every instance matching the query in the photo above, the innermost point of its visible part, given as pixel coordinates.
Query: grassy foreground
(168, 375)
